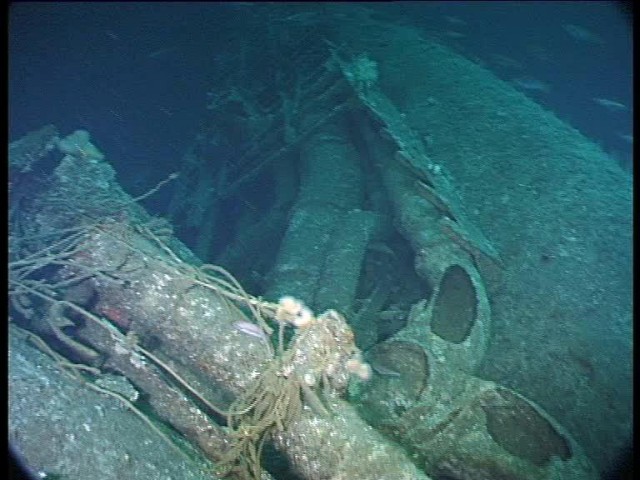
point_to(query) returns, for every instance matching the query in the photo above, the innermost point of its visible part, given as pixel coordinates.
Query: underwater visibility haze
(320, 240)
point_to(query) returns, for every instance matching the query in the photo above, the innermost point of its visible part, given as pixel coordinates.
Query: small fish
(626, 137)
(301, 17)
(505, 62)
(530, 84)
(539, 53)
(384, 371)
(250, 329)
(453, 34)
(582, 34)
(610, 104)
(116, 114)
(112, 35)
(162, 52)
(454, 20)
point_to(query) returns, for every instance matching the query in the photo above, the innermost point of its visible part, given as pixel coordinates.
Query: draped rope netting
(37, 281)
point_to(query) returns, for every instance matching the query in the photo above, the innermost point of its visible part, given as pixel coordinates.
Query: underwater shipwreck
(399, 293)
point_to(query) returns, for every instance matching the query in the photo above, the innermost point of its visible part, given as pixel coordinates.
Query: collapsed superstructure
(353, 339)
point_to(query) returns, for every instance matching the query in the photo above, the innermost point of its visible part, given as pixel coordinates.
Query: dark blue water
(136, 75)
(580, 51)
